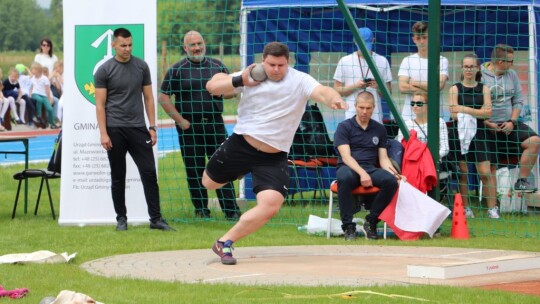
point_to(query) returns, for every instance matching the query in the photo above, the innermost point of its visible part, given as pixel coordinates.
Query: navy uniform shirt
(364, 144)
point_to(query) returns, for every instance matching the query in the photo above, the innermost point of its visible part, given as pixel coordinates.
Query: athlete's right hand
(248, 81)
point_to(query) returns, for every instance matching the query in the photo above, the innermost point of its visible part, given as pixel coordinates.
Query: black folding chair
(52, 172)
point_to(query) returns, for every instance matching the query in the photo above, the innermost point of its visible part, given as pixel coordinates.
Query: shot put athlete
(269, 113)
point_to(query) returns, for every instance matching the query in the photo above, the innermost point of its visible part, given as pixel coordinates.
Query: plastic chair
(510, 161)
(328, 161)
(360, 190)
(313, 165)
(445, 177)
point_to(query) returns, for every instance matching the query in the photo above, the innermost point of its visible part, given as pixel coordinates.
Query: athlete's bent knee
(208, 183)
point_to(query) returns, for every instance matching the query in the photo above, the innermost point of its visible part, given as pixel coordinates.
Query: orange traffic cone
(459, 221)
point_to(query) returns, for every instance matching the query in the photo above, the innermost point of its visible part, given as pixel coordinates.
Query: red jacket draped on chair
(420, 171)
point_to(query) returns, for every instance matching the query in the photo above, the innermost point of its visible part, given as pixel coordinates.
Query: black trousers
(30, 108)
(137, 142)
(348, 180)
(197, 143)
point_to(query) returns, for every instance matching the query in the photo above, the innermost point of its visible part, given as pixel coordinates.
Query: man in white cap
(353, 76)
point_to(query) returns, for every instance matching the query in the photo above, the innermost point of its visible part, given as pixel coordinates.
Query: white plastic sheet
(42, 256)
(318, 225)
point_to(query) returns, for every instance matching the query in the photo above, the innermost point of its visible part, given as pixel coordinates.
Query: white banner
(85, 196)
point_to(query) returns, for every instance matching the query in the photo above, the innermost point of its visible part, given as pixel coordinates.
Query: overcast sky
(44, 3)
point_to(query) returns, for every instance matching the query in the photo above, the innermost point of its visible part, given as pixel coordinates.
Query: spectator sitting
(57, 86)
(47, 73)
(25, 84)
(12, 91)
(3, 104)
(41, 92)
(363, 160)
(57, 79)
(419, 105)
(506, 131)
(7, 103)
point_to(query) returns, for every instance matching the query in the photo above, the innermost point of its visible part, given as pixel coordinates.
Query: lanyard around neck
(421, 129)
(364, 76)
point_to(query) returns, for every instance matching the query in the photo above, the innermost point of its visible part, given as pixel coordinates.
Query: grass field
(28, 233)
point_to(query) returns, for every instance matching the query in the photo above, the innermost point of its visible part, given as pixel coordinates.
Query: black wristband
(237, 81)
(513, 121)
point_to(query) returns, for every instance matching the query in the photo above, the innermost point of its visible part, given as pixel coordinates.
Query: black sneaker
(224, 250)
(161, 225)
(350, 233)
(370, 230)
(522, 185)
(121, 224)
(233, 216)
(205, 214)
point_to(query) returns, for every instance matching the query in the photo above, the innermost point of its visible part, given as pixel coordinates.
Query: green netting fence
(320, 40)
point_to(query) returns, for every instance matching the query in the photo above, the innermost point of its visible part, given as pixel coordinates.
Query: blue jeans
(348, 180)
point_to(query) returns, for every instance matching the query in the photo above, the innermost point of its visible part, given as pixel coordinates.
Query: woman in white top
(419, 102)
(45, 57)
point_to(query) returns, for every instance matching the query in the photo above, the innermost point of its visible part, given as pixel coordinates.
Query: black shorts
(236, 157)
(479, 149)
(504, 145)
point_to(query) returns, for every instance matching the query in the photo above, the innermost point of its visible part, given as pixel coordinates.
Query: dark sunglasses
(417, 103)
(45, 44)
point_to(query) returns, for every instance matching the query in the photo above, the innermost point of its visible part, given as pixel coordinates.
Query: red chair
(313, 165)
(328, 161)
(360, 190)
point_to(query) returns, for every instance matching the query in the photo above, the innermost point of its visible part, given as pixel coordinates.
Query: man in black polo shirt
(198, 119)
(363, 160)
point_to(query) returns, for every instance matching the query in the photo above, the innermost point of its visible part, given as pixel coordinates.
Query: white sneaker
(469, 213)
(493, 212)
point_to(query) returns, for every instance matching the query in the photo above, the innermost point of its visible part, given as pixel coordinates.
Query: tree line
(24, 23)
(217, 20)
